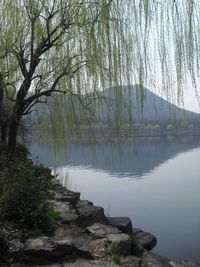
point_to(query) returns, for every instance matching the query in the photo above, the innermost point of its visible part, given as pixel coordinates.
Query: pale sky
(190, 100)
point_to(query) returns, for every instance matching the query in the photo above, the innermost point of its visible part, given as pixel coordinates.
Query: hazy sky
(190, 100)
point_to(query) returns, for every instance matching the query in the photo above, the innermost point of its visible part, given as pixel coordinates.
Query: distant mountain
(144, 107)
(123, 104)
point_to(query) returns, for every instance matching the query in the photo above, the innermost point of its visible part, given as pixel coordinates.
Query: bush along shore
(45, 224)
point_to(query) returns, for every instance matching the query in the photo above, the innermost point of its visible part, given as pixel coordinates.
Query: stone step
(77, 263)
(124, 224)
(89, 214)
(112, 239)
(44, 250)
(102, 230)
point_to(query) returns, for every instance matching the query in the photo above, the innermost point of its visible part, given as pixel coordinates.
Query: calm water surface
(154, 182)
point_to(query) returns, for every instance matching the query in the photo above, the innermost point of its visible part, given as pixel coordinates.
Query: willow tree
(78, 48)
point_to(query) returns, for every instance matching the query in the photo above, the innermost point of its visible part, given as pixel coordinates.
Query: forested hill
(146, 107)
(112, 103)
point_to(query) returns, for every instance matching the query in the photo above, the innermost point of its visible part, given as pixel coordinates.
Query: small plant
(45, 220)
(94, 237)
(116, 259)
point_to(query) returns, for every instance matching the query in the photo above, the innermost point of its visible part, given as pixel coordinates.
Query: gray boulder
(16, 249)
(62, 194)
(124, 224)
(76, 263)
(146, 240)
(89, 214)
(119, 244)
(136, 230)
(83, 203)
(84, 252)
(102, 230)
(44, 249)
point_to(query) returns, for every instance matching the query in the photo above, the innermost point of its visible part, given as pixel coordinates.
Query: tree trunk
(3, 133)
(12, 137)
(18, 110)
(1, 89)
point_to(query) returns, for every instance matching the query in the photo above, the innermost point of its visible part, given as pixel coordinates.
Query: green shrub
(23, 191)
(116, 259)
(45, 219)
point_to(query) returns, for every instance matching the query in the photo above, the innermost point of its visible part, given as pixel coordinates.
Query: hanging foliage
(51, 48)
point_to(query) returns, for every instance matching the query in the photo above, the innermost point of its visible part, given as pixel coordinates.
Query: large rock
(146, 240)
(89, 214)
(119, 244)
(83, 203)
(84, 252)
(102, 230)
(77, 263)
(16, 248)
(62, 194)
(124, 224)
(80, 239)
(44, 249)
(136, 230)
(106, 240)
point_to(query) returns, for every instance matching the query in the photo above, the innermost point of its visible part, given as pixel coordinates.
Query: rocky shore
(86, 237)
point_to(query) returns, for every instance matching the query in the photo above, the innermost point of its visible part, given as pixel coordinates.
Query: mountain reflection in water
(128, 158)
(158, 189)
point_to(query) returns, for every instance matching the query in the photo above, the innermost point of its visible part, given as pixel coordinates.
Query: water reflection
(164, 201)
(133, 158)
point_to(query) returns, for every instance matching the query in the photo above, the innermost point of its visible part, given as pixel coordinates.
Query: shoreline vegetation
(23, 191)
(103, 134)
(45, 224)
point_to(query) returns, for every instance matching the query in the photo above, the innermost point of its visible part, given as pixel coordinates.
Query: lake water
(155, 182)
